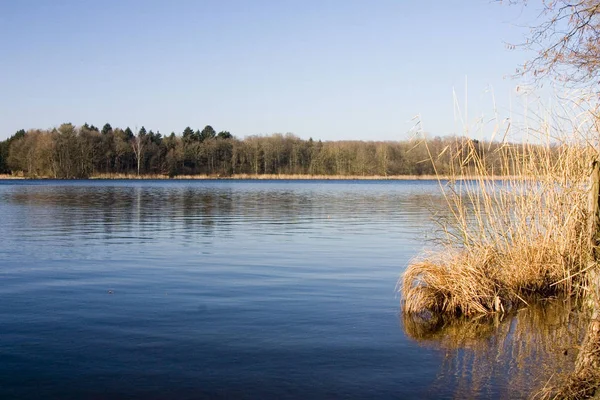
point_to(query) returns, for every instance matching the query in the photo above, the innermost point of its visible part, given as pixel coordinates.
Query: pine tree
(224, 135)
(106, 129)
(207, 133)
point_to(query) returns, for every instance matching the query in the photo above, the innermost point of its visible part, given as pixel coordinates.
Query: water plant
(508, 241)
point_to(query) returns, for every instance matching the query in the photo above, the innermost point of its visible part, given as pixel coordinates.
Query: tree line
(69, 151)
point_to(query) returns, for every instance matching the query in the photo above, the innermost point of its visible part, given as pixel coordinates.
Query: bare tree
(566, 43)
(138, 145)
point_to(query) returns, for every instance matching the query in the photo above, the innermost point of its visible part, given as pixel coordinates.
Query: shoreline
(10, 177)
(257, 177)
(233, 177)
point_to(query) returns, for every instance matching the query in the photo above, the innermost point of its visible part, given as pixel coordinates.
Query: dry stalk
(511, 240)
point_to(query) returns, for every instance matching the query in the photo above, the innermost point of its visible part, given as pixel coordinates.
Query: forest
(69, 151)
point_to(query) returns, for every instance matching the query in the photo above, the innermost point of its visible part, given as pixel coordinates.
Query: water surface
(221, 289)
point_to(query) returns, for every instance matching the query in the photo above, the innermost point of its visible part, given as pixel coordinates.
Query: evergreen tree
(188, 134)
(4, 157)
(207, 133)
(224, 135)
(106, 129)
(18, 135)
(128, 133)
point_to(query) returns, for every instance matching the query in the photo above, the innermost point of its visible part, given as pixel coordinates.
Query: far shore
(8, 176)
(262, 177)
(268, 177)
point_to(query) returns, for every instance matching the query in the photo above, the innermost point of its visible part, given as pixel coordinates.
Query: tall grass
(509, 241)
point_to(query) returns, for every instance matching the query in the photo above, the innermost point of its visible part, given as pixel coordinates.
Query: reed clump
(507, 242)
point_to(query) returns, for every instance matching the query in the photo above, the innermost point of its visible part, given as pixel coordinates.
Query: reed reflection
(516, 353)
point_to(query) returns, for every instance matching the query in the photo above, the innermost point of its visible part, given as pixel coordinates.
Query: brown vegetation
(9, 176)
(509, 241)
(82, 152)
(512, 243)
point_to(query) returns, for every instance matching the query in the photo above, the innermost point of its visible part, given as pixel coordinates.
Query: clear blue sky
(325, 69)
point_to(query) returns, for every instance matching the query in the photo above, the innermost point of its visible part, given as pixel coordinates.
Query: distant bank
(262, 177)
(242, 176)
(7, 176)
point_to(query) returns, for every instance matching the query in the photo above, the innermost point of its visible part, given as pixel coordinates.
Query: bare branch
(566, 43)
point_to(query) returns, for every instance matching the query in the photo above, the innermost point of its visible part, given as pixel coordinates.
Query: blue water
(212, 289)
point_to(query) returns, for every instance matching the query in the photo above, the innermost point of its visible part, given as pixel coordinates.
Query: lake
(239, 289)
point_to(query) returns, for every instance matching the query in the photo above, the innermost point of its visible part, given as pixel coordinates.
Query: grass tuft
(512, 240)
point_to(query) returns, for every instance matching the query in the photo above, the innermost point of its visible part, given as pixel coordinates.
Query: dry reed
(9, 176)
(507, 242)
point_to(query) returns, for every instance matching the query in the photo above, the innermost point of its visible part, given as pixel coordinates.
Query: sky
(330, 70)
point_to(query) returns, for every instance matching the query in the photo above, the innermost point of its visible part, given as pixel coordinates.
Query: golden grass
(8, 176)
(507, 242)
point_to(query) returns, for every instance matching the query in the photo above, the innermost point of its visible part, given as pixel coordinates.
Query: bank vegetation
(68, 152)
(512, 243)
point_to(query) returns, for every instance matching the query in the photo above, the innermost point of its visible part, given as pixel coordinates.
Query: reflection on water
(208, 289)
(176, 289)
(175, 208)
(498, 356)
